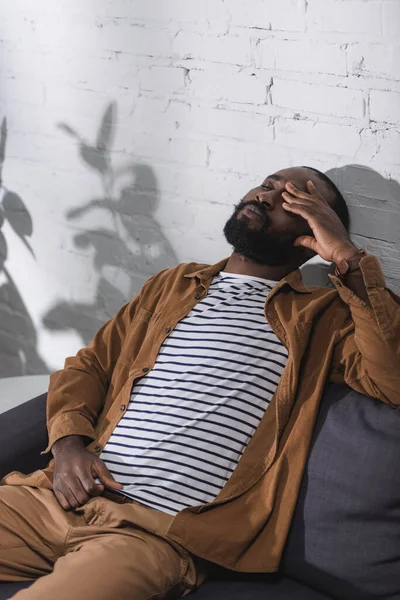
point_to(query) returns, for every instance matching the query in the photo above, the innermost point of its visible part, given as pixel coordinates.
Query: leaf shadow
(127, 247)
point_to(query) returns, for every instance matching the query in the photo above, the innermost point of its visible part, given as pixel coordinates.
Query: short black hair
(339, 203)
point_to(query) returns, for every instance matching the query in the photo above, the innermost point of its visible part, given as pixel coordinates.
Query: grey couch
(344, 542)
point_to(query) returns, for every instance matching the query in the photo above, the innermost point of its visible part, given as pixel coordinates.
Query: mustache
(242, 204)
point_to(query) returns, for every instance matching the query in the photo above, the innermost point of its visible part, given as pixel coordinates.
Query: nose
(267, 199)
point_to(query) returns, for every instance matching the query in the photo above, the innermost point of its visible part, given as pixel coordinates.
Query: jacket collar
(293, 279)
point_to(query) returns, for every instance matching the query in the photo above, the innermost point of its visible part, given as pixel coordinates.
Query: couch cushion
(23, 435)
(256, 587)
(244, 588)
(7, 590)
(345, 534)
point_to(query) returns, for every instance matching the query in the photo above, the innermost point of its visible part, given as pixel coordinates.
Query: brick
(121, 36)
(222, 49)
(69, 30)
(231, 124)
(211, 14)
(198, 247)
(175, 211)
(314, 98)
(235, 86)
(211, 219)
(387, 145)
(286, 15)
(302, 56)
(385, 106)
(372, 222)
(74, 99)
(43, 149)
(325, 137)
(345, 17)
(391, 19)
(162, 80)
(245, 157)
(165, 116)
(31, 90)
(363, 186)
(91, 73)
(208, 184)
(375, 60)
(179, 150)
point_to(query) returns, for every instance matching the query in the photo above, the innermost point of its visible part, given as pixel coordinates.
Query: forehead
(299, 177)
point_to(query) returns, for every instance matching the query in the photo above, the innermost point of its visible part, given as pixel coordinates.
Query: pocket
(93, 511)
(103, 512)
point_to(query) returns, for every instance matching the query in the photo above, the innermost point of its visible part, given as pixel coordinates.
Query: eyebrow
(275, 177)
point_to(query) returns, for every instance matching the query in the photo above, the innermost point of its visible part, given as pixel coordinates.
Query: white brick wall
(208, 97)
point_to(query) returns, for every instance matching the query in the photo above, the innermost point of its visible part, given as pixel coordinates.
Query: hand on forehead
(299, 177)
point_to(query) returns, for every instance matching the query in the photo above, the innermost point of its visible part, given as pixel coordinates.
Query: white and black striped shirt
(190, 419)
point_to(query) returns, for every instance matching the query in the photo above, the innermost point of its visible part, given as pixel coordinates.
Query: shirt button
(167, 329)
(123, 407)
(145, 369)
(97, 448)
(197, 296)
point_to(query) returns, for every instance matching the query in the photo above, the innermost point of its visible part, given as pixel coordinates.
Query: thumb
(307, 241)
(105, 476)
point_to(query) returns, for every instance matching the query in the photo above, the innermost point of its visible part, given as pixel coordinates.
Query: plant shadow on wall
(18, 338)
(127, 244)
(374, 207)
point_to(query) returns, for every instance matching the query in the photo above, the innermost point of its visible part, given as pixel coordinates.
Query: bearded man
(179, 435)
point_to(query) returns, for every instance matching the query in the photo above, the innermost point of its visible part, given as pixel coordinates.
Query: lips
(252, 212)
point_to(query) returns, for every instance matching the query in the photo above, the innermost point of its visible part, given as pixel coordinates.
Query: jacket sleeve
(367, 357)
(77, 393)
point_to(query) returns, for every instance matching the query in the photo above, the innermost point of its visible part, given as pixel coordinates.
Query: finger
(297, 201)
(307, 241)
(73, 502)
(61, 499)
(91, 486)
(296, 204)
(311, 187)
(298, 210)
(105, 476)
(292, 189)
(70, 496)
(78, 490)
(314, 192)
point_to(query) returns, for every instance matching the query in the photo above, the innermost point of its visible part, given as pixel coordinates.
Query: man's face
(262, 230)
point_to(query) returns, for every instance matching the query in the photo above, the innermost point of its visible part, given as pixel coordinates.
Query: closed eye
(266, 186)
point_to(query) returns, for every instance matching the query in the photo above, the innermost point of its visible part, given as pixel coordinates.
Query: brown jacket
(331, 335)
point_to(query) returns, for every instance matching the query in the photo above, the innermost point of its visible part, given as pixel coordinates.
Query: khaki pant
(101, 551)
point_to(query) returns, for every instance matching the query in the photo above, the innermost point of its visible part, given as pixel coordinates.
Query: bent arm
(77, 393)
(367, 357)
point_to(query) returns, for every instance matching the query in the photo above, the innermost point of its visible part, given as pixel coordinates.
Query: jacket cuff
(373, 279)
(70, 423)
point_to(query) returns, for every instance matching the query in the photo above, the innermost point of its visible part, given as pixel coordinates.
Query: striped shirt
(190, 419)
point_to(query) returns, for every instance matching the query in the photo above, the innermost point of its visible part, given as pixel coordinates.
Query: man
(181, 432)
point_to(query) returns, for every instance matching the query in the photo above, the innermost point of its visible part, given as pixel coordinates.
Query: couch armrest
(23, 435)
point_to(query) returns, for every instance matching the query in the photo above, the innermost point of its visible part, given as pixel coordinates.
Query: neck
(242, 265)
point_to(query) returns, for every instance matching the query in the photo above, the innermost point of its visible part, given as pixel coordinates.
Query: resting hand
(75, 471)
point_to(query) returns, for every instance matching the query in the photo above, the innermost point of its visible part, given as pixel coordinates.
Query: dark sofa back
(23, 436)
(345, 534)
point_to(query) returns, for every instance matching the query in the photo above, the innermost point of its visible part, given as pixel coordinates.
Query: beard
(272, 249)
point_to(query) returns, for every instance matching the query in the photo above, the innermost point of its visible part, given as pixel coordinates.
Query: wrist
(346, 253)
(67, 443)
(348, 263)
